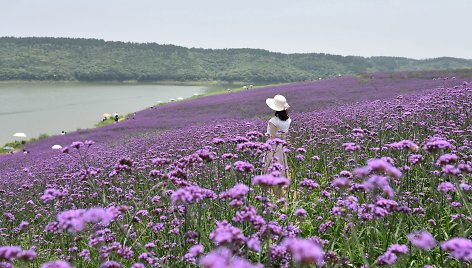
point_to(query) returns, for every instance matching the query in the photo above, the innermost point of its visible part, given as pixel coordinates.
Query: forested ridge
(75, 59)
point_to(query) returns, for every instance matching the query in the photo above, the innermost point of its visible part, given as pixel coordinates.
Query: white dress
(277, 128)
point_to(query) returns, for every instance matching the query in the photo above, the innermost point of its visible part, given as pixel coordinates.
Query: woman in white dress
(278, 127)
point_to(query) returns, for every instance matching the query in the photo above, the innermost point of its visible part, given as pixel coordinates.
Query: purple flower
(380, 166)
(308, 183)
(237, 194)
(465, 187)
(415, 158)
(437, 143)
(99, 215)
(351, 147)
(242, 166)
(388, 258)
(6, 265)
(378, 182)
(340, 182)
(398, 249)
(217, 141)
(222, 258)
(254, 244)
(270, 180)
(76, 144)
(450, 170)
(216, 259)
(191, 194)
(89, 142)
(249, 214)
(196, 250)
(27, 255)
(446, 159)
(300, 212)
(9, 216)
(193, 253)
(50, 194)
(459, 248)
(324, 226)
(407, 144)
(465, 168)
(423, 240)
(304, 251)
(56, 264)
(301, 150)
(445, 187)
(76, 220)
(9, 253)
(345, 174)
(111, 264)
(226, 233)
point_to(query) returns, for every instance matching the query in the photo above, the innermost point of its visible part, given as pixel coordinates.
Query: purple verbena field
(380, 175)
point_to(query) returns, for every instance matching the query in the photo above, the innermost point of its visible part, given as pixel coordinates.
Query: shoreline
(100, 124)
(134, 82)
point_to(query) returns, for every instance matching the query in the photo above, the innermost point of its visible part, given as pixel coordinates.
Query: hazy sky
(410, 28)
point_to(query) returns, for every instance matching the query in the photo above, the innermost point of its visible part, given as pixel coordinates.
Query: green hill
(42, 58)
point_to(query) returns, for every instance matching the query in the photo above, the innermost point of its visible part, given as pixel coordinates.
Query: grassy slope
(357, 230)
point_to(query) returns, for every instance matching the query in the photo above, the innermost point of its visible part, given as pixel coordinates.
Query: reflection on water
(49, 108)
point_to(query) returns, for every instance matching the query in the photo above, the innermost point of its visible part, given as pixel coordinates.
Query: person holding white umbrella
(106, 116)
(19, 135)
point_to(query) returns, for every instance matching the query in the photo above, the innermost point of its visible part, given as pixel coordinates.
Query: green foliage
(36, 58)
(16, 145)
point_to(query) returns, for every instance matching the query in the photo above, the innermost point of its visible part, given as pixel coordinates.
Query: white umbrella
(19, 135)
(180, 98)
(106, 115)
(8, 148)
(56, 147)
(172, 100)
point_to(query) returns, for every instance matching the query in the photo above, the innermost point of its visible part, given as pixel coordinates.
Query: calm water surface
(43, 108)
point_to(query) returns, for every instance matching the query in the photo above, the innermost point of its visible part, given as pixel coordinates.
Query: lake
(49, 108)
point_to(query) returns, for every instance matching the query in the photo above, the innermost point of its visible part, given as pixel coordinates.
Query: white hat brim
(271, 103)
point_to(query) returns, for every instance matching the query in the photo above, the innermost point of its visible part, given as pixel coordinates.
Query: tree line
(76, 59)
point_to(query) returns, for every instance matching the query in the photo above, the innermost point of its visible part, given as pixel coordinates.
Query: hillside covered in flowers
(380, 175)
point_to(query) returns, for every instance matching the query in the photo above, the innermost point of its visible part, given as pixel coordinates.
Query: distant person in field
(115, 116)
(278, 127)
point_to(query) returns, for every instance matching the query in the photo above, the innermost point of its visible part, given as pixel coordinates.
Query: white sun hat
(278, 103)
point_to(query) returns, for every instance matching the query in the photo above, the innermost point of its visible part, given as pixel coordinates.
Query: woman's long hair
(282, 115)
